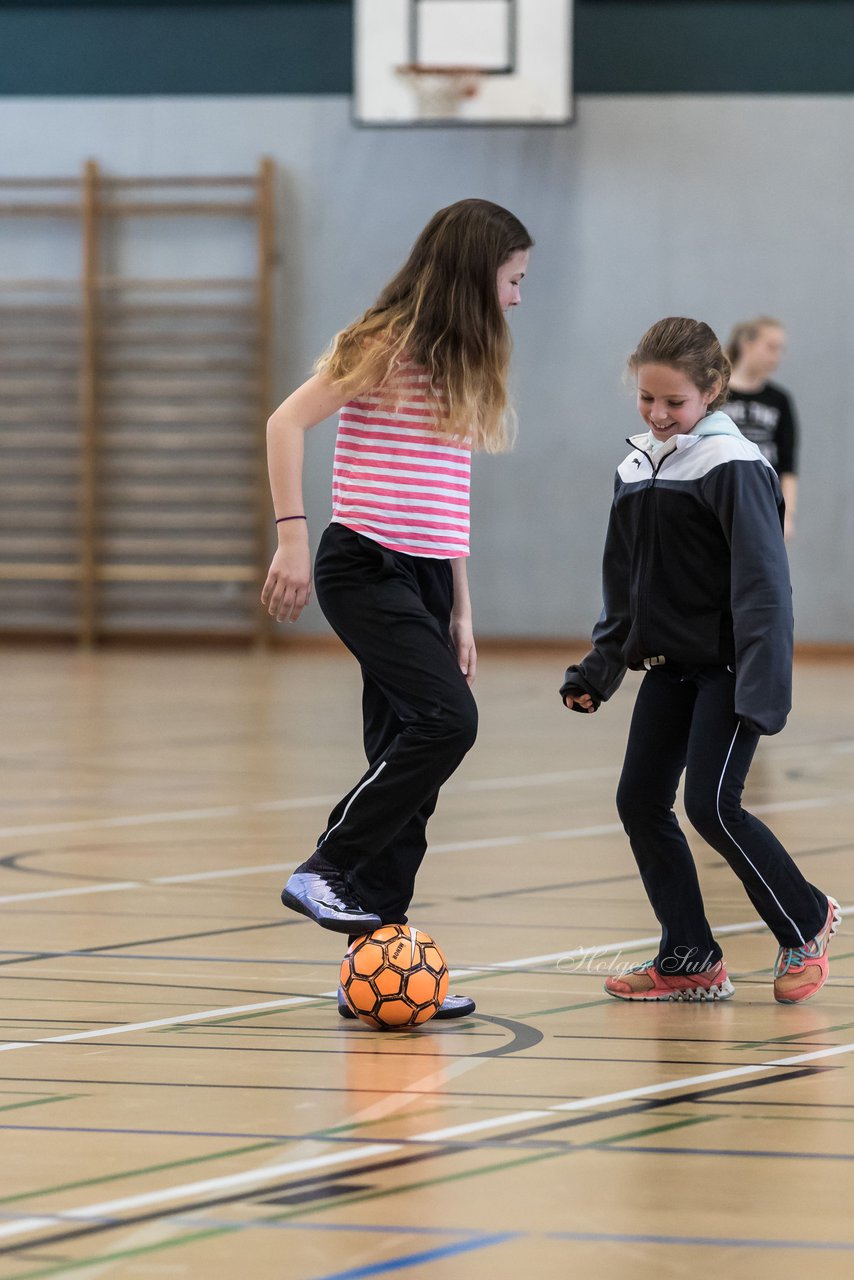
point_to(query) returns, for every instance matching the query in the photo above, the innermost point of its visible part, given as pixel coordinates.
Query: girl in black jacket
(696, 591)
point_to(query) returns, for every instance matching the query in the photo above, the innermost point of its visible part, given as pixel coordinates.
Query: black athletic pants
(684, 719)
(393, 612)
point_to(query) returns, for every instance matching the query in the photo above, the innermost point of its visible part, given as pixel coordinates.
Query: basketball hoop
(441, 91)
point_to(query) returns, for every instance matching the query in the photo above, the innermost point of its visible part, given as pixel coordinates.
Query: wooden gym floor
(179, 1097)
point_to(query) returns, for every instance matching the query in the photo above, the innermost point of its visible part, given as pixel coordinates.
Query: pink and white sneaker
(644, 982)
(800, 972)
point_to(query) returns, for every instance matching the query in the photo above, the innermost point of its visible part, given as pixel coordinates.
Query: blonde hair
(441, 312)
(689, 346)
(748, 331)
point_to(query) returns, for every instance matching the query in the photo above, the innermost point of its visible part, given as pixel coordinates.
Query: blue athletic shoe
(321, 891)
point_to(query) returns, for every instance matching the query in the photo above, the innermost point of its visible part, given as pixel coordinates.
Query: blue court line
(595, 1237)
(605, 1237)
(402, 1262)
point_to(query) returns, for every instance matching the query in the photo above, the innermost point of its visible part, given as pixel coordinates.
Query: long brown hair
(689, 346)
(441, 311)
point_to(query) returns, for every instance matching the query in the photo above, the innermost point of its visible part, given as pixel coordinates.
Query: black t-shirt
(767, 417)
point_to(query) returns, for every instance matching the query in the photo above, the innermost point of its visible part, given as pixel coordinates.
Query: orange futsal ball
(394, 977)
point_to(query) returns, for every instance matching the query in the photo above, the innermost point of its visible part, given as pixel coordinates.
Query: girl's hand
(583, 700)
(288, 587)
(462, 635)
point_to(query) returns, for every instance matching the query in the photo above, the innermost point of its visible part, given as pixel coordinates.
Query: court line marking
(628, 1095)
(403, 1261)
(458, 846)
(520, 780)
(575, 954)
(271, 1172)
(73, 893)
(123, 1027)
(201, 1188)
(128, 820)
(500, 966)
(296, 802)
(603, 949)
(275, 1224)
(268, 1172)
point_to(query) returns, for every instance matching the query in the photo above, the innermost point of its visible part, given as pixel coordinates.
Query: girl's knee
(464, 723)
(711, 813)
(634, 808)
(704, 820)
(645, 811)
(455, 723)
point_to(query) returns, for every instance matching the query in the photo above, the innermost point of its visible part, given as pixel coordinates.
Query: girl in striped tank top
(419, 381)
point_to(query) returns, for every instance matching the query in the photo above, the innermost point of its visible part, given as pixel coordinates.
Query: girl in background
(696, 592)
(760, 409)
(420, 380)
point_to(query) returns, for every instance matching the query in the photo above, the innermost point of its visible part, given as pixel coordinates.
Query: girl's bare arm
(287, 589)
(462, 631)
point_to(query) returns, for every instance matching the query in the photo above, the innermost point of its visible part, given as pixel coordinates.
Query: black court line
(127, 982)
(24, 956)
(283, 1188)
(11, 861)
(548, 888)
(148, 942)
(347, 1090)
(632, 876)
(749, 1102)
(302, 1048)
(360, 1171)
(70, 908)
(515, 1140)
(445, 1033)
(652, 1040)
(658, 1104)
(312, 1194)
(741, 1153)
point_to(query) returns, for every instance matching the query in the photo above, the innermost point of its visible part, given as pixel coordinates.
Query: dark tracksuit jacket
(695, 572)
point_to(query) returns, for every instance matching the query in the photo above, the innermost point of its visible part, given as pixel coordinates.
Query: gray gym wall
(716, 206)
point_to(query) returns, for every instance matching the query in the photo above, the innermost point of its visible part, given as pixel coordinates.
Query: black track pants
(685, 720)
(393, 611)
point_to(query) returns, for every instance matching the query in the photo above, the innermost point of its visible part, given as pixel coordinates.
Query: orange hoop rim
(439, 69)
(450, 86)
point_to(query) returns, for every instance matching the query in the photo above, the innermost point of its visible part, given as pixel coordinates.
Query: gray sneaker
(319, 890)
(451, 1007)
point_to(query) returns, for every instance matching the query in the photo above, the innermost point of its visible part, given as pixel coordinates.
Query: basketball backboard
(462, 62)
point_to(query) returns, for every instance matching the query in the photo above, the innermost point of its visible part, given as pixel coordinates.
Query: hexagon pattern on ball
(394, 978)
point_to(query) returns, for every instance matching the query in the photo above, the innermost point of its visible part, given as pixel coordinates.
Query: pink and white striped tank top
(394, 479)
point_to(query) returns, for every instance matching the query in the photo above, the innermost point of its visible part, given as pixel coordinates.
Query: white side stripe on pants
(358, 790)
(738, 846)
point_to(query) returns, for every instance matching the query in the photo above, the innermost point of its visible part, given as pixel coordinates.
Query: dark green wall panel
(263, 47)
(133, 48)
(721, 46)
